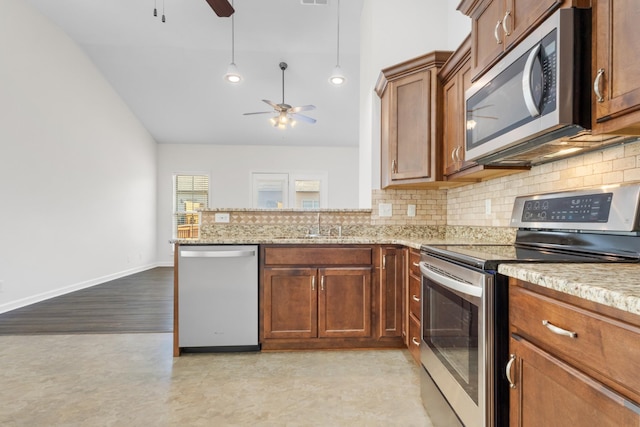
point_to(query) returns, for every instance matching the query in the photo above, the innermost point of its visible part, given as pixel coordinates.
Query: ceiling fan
(222, 8)
(286, 114)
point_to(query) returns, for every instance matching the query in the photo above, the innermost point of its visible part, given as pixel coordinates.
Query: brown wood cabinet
(571, 365)
(616, 42)
(456, 79)
(413, 301)
(390, 297)
(550, 392)
(498, 25)
(326, 296)
(290, 303)
(410, 132)
(311, 303)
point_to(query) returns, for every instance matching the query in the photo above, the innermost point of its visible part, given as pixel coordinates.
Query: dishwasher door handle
(217, 254)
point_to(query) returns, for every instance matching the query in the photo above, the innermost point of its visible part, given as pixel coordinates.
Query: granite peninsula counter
(612, 285)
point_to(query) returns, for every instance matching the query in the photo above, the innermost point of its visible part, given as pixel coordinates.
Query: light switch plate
(385, 209)
(222, 217)
(411, 210)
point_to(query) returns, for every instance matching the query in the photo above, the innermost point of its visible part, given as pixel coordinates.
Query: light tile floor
(132, 380)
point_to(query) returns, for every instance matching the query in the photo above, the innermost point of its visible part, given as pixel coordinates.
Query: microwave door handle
(450, 283)
(527, 91)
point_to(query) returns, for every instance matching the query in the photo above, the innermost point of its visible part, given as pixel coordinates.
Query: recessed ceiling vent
(315, 2)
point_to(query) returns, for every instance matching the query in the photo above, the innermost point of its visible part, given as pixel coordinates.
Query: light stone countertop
(348, 240)
(613, 285)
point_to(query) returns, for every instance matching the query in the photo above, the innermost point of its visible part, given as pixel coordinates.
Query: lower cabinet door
(549, 392)
(344, 302)
(290, 303)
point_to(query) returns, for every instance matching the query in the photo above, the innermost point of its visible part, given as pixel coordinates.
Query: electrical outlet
(222, 217)
(385, 209)
(1, 286)
(411, 210)
(487, 206)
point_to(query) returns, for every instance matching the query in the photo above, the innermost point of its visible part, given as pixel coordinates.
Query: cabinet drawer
(414, 338)
(414, 296)
(318, 256)
(603, 346)
(414, 260)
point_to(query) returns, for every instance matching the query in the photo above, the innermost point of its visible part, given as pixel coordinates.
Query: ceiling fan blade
(273, 104)
(222, 8)
(302, 108)
(257, 112)
(303, 118)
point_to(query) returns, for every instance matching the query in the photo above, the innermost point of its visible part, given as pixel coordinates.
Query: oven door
(455, 344)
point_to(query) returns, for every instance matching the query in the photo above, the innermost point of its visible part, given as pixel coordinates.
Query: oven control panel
(603, 209)
(587, 208)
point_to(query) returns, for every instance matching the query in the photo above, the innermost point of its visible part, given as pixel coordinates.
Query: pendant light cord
(233, 37)
(338, 41)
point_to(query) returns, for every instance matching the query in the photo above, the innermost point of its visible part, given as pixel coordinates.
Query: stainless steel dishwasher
(218, 298)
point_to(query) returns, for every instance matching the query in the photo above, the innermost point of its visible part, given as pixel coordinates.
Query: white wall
(230, 168)
(393, 32)
(77, 170)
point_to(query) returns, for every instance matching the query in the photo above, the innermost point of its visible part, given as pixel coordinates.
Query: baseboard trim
(13, 305)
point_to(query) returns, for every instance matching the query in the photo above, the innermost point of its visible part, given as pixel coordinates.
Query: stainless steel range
(464, 347)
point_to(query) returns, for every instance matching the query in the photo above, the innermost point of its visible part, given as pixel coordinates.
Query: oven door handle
(450, 283)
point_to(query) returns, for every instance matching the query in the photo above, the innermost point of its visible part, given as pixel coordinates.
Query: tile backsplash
(490, 203)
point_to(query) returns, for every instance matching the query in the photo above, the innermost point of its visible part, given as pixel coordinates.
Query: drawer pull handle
(507, 32)
(512, 358)
(495, 33)
(313, 283)
(416, 264)
(596, 85)
(559, 331)
(415, 341)
(415, 298)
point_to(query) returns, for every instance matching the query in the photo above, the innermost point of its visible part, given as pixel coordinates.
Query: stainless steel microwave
(534, 105)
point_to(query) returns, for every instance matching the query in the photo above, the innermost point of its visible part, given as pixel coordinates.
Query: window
(191, 192)
(307, 194)
(270, 190)
(283, 190)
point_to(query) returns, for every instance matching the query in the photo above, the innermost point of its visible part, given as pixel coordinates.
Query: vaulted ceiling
(171, 73)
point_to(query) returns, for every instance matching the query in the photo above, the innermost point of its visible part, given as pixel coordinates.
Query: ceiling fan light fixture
(337, 77)
(233, 75)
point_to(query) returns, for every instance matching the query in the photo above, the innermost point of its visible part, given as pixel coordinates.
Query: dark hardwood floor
(141, 302)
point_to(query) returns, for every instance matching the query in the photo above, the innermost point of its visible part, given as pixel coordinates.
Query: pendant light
(337, 78)
(155, 10)
(233, 75)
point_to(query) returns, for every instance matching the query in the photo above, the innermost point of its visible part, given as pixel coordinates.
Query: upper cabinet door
(410, 106)
(616, 86)
(487, 37)
(498, 25)
(409, 127)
